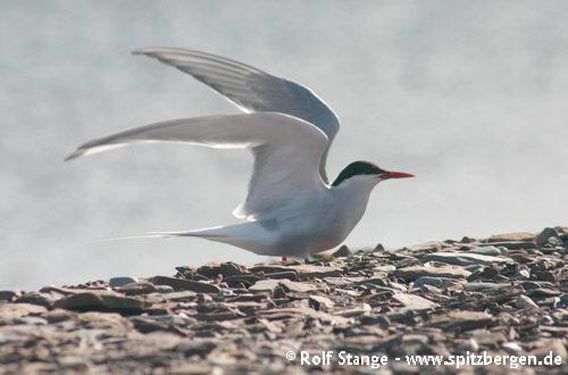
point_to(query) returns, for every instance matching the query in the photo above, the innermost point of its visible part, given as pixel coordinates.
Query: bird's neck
(352, 197)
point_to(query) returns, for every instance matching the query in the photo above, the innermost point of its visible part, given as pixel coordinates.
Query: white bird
(291, 209)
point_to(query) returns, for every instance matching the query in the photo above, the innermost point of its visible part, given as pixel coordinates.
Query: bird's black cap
(358, 168)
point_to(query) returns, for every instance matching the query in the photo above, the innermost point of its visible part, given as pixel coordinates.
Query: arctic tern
(291, 209)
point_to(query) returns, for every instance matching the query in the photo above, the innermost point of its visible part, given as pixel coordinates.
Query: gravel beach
(369, 311)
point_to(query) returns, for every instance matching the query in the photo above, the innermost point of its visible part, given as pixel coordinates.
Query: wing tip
(74, 155)
(152, 51)
(139, 51)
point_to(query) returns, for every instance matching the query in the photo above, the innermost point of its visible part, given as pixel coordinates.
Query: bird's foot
(284, 259)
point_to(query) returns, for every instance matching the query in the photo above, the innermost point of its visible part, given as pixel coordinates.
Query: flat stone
(163, 289)
(462, 320)
(185, 295)
(290, 275)
(137, 288)
(486, 250)
(284, 313)
(92, 301)
(291, 286)
(465, 259)
(268, 268)
(68, 291)
(199, 348)
(508, 237)
(414, 302)
(310, 270)
(182, 284)
(117, 282)
(226, 269)
(438, 282)
(354, 311)
(515, 245)
(414, 272)
(480, 286)
(268, 285)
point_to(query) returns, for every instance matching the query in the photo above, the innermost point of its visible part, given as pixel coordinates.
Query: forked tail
(211, 233)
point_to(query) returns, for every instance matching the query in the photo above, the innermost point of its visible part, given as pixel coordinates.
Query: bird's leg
(284, 259)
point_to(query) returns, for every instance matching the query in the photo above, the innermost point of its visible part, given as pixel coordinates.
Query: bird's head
(365, 171)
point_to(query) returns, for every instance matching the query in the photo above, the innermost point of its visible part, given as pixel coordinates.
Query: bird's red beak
(397, 175)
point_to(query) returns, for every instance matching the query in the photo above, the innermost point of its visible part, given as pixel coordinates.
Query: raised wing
(287, 151)
(251, 89)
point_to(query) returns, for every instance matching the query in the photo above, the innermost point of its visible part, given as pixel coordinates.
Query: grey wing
(251, 89)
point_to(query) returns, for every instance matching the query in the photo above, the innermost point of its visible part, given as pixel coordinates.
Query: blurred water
(469, 96)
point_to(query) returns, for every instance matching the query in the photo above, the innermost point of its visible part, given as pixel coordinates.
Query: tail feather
(207, 233)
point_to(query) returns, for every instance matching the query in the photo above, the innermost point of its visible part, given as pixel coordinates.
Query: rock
(163, 289)
(198, 348)
(427, 247)
(542, 293)
(290, 312)
(137, 288)
(268, 269)
(92, 301)
(467, 239)
(515, 245)
(438, 282)
(414, 302)
(291, 286)
(267, 285)
(321, 303)
(226, 270)
(414, 272)
(290, 275)
(8, 295)
(486, 250)
(117, 282)
(182, 284)
(309, 270)
(59, 315)
(461, 320)
(512, 237)
(379, 248)
(465, 259)
(562, 302)
(38, 298)
(546, 234)
(481, 286)
(10, 311)
(353, 311)
(524, 302)
(343, 251)
(185, 295)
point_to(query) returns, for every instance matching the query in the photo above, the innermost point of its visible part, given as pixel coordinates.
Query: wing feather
(287, 151)
(251, 89)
